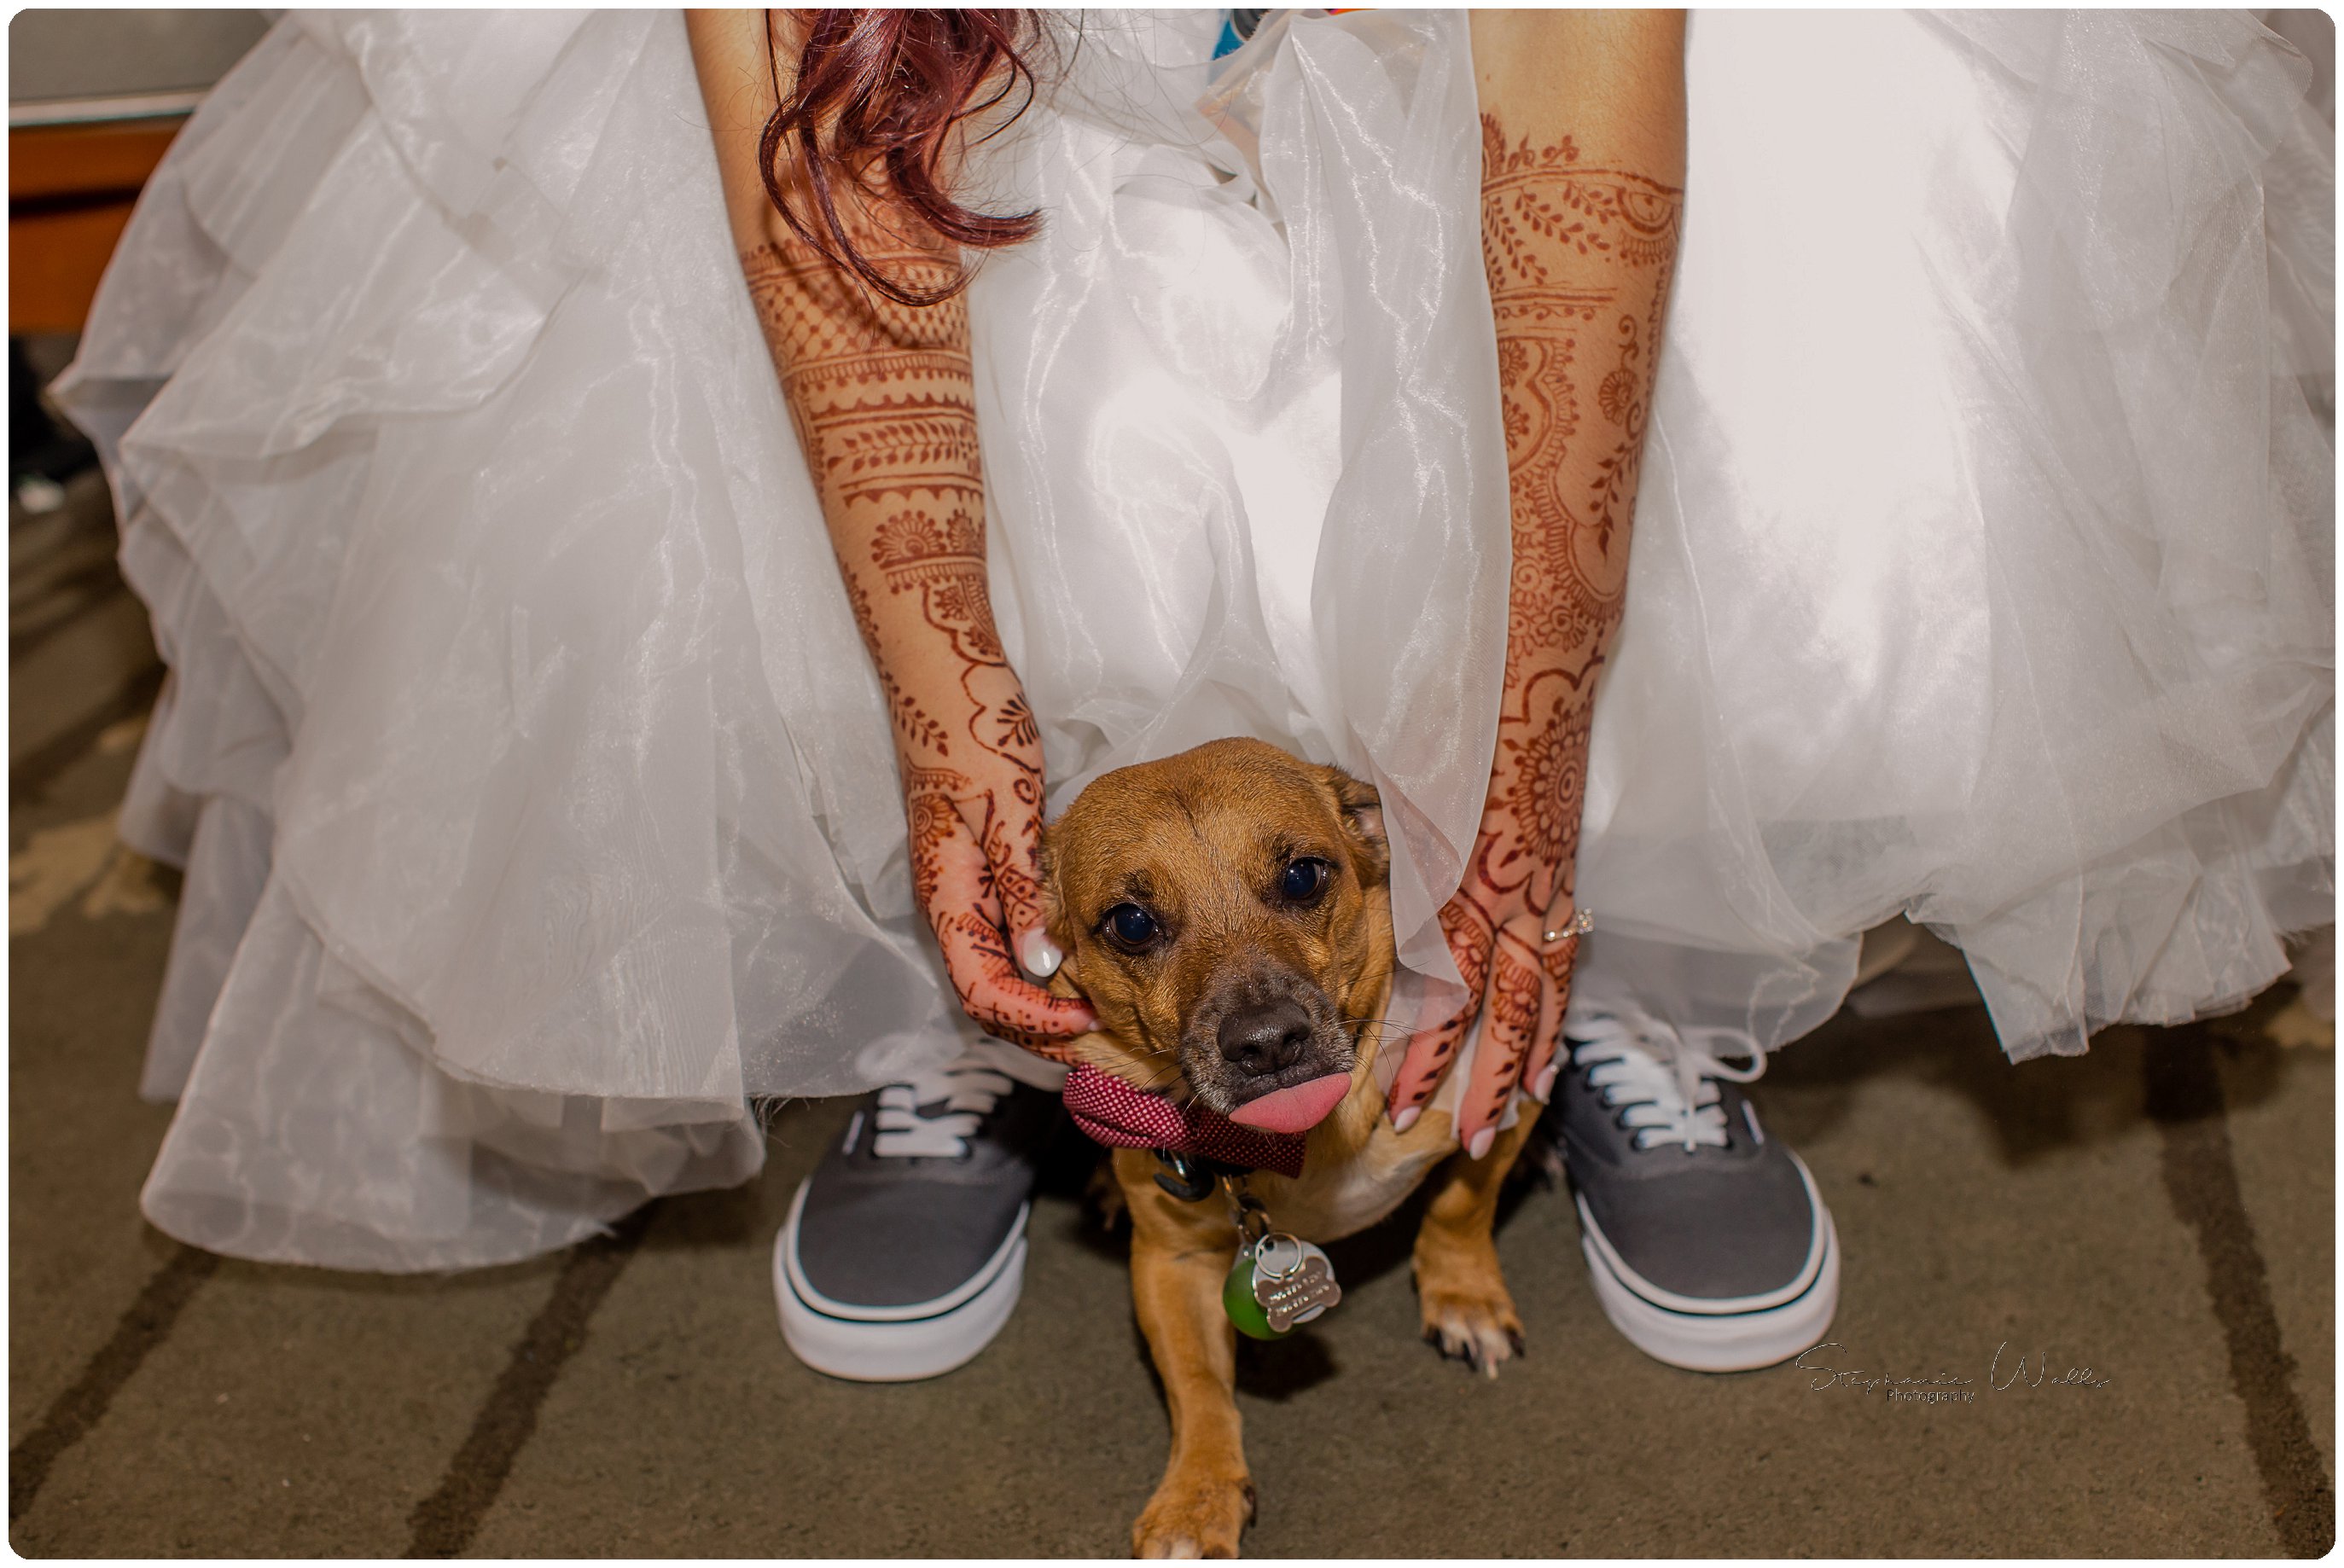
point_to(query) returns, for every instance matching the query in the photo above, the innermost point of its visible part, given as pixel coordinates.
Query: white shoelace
(970, 1085)
(1663, 1080)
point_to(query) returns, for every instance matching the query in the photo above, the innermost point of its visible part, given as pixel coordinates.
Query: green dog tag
(1237, 1301)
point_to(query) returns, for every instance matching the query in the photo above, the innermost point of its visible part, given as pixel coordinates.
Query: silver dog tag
(1293, 1282)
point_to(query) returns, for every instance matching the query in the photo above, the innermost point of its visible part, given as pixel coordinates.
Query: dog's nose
(1263, 1040)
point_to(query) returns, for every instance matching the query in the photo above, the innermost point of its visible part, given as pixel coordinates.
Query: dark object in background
(43, 453)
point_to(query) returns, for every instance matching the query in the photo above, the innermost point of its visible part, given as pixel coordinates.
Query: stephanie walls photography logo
(2008, 1371)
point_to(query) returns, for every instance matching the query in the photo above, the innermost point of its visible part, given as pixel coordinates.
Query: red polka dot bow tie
(1115, 1113)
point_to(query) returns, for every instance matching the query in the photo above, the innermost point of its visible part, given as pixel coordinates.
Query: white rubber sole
(902, 1344)
(1714, 1341)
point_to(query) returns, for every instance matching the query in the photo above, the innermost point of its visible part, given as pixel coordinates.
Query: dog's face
(1227, 913)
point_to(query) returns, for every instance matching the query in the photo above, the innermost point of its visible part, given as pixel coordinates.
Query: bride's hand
(973, 820)
(1517, 890)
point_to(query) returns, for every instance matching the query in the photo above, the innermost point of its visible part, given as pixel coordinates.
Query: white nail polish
(1480, 1147)
(1407, 1119)
(1039, 954)
(1544, 1089)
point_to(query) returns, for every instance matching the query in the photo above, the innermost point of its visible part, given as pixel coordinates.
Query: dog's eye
(1131, 926)
(1305, 879)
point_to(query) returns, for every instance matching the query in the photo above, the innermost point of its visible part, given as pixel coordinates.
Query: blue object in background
(1237, 26)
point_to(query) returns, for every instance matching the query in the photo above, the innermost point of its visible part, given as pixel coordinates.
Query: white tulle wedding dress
(536, 795)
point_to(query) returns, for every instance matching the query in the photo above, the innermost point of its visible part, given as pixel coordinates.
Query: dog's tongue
(1295, 1110)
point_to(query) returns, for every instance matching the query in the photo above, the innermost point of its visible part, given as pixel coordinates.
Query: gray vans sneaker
(1710, 1246)
(904, 1252)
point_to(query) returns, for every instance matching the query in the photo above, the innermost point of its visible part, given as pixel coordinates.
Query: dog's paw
(1194, 1517)
(1478, 1326)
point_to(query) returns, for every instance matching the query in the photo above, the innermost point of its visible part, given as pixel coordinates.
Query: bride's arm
(1583, 118)
(882, 400)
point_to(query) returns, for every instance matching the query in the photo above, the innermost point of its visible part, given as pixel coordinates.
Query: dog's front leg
(1180, 1254)
(1460, 1290)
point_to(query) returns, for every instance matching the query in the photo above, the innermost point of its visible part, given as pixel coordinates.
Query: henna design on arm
(1580, 260)
(883, 397)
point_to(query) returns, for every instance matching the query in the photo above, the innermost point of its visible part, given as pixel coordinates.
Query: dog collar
(1115, 1113)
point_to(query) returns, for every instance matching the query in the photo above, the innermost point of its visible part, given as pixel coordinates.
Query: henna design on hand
(1580, 260)
(1513, 1003)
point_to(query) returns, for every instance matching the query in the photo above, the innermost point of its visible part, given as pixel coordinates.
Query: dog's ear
(1053, 904)
(1058, 920)
(1362, 810)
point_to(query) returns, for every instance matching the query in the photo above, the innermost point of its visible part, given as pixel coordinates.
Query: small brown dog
(1227, 914)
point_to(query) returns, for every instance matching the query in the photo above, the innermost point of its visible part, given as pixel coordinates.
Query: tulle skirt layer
(537, 798)
(1984, 564)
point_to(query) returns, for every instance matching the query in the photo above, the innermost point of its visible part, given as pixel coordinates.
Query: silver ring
(1579, 925)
